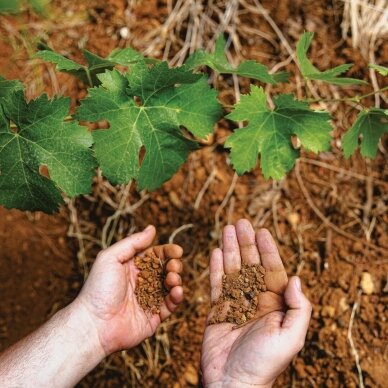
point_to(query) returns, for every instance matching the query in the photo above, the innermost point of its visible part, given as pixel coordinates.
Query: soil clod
(240, 295)
(150, 289)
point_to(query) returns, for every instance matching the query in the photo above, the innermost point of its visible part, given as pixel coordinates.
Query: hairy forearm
(58, 354)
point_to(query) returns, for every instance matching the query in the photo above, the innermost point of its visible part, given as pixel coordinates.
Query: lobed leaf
(10, 6)
(147, 108)
(33, 136)
(309, 71)
(95, 64)
(269, 132)
(218, 61)
(14, 6)
(9, 86)
(380, 69)
(371, 125)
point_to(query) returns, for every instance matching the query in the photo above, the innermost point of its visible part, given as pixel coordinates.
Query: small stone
(367, 284)
(328, 311)
(293, 219)
(343, 304)
(173, 196)
(191, 375)
(124, 32)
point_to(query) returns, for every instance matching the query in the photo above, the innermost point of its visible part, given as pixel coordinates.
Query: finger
(125, 249)
(172, 280)
(247, 242)
(297, 318)
(231, 250)
(171, 302)
(167, 251)
(174, 265)
(216, 274)
(275, 277)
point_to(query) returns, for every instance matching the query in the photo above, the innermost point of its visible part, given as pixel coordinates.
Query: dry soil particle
(240, 295)
(150, 290)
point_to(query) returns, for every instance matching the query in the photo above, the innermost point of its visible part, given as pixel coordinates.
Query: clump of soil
(150, 290)
(240, 295)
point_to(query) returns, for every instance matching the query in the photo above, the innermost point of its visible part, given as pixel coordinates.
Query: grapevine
(157, 115)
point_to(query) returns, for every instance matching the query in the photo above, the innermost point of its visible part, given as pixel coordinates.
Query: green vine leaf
(147, 108)
(380, 69)
(95, 64)
(33, 136)
(10, 6)
(15, 6)
(309, 71)
(9, 86)
(218, 61)
(371, 125)
(269, 132)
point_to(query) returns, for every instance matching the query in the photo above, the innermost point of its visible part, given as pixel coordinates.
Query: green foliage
(40, 5)
(218, 61)
(15, 6)
(9, 86)
(380, 69)
(147, 108)
(269, 132)
(156, 114)
(10, 6)
(371, 124)
(309, 71)
(34, 135)
(95, 64)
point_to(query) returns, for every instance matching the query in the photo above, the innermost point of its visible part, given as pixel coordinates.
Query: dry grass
(191, 25)
(367, 23)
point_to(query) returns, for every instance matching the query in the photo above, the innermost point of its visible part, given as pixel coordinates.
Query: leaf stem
(306, 89)
(356, 99)
(88, 75)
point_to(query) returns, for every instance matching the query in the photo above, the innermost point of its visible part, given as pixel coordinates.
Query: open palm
(257, 352)
(109, 293)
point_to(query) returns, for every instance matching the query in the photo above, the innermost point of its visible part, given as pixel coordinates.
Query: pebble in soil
(150, 289)
(240, 293)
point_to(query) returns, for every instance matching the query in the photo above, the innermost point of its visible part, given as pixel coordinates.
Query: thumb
(297, 318)
(126, 248)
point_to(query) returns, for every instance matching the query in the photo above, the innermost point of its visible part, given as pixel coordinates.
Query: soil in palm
(150, 289)
(240, 295)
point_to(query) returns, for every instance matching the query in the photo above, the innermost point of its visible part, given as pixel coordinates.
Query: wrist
(80, 328)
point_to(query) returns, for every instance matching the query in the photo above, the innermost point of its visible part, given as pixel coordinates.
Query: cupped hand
(109, 292)
(257, 352)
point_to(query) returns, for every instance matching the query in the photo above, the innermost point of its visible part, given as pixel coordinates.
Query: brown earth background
(43, 259)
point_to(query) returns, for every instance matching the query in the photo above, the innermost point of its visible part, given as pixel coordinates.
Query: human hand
(256, 353)
(109, 292)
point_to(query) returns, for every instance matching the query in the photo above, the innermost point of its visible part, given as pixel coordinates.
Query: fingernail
(298, 284)
(149, 227)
